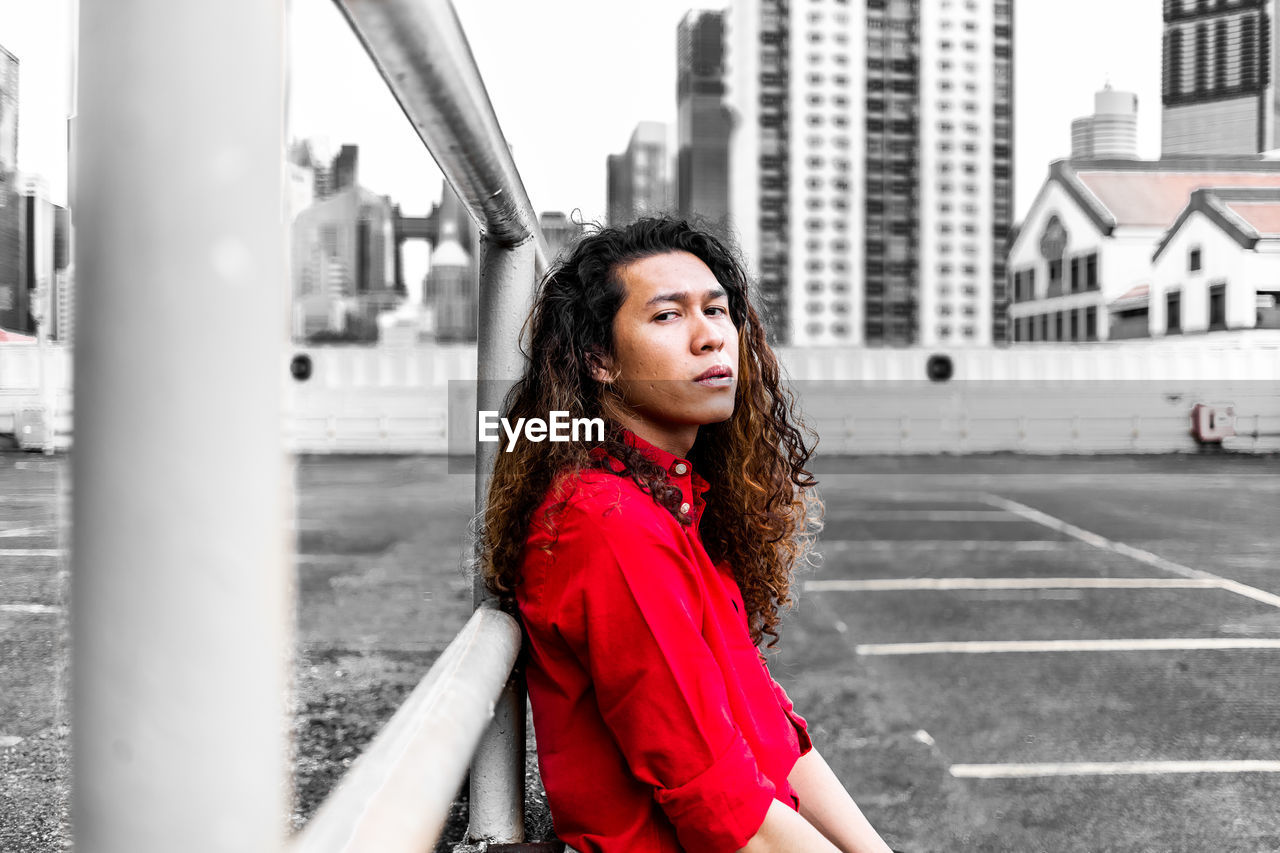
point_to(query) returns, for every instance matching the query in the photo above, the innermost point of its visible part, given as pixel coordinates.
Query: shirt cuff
(722, 807)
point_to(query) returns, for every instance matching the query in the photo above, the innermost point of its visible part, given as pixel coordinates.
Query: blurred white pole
(181, 556)
(42, 353)
(497, 771)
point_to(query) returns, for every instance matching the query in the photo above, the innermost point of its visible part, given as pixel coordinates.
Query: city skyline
(337, 94)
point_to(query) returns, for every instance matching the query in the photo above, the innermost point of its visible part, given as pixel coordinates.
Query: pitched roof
(1263, 216)
(1245, 214)
(1138, 294)
(1151, 193)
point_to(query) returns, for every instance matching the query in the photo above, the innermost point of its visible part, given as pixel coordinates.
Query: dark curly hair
(760, 514)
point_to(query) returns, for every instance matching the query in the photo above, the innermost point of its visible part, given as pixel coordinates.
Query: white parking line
(984, 647)
(34, 609)
(952, 544)
(916, 584)
(930, 515)
(1138, 554)
(25, 531)
(32, 552)
(1109, 768)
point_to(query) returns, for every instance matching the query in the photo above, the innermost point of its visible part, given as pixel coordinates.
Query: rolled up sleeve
(659, 687)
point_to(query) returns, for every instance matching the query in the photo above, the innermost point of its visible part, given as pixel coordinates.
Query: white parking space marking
(931, 515)
(952, 544)
(25, 531)
(32, 552)
(917, 584)
(983, 647)
(1109, 768)
(34, 609)
(1138, 554)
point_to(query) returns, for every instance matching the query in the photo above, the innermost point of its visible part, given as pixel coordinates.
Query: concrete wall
(1100, 398)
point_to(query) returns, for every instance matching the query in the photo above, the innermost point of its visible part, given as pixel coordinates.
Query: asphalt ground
(994, 653)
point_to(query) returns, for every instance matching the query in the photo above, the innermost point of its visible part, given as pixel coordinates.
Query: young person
(647, 568)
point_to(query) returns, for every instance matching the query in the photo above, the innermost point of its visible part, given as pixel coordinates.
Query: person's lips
(720, 374)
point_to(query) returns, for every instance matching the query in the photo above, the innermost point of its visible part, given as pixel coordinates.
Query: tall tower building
(1111, 133)
(894, 199)
(1219, 78)
(757, 33)
(14, 299)
(702, 124)
(639, 181)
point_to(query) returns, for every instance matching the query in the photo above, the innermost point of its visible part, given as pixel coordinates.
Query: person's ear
(602, 368)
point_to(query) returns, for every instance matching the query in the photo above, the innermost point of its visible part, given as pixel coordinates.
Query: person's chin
(718, 415)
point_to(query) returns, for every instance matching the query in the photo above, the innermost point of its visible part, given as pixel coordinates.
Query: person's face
(675, 361)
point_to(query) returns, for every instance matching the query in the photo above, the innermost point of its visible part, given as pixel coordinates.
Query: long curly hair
(761, 515)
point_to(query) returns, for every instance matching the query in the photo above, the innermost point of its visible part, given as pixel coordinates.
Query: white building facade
(1101, 245)
(1218, 267)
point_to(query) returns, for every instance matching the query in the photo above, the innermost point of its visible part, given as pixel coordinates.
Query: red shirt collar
(680, 471)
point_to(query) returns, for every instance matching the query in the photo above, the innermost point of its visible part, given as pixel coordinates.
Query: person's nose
(707, 336)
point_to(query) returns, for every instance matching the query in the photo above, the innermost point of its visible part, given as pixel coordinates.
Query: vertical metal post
(497, 770)
(181, 579)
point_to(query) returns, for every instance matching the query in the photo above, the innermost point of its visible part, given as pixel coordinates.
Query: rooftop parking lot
(995, 653)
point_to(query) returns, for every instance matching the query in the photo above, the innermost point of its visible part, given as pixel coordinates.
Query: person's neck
(678, 441)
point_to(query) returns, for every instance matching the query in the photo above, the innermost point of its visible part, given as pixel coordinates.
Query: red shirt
(659, 727)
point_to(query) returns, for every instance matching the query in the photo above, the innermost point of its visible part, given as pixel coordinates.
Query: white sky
(569, 79)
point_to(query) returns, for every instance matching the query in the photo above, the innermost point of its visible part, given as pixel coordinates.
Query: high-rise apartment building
(14, 314)
(639, 179)
(1111, 133)
(702, 122)
(344, 258)
(872, 166)
(1219, 78)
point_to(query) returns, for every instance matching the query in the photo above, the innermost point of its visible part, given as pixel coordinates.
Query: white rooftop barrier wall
(1134, 397)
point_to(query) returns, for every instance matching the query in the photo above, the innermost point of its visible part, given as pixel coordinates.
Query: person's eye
(718, 310)
(664, 315)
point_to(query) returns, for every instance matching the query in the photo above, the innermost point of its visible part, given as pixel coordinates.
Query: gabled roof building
(1106, 241)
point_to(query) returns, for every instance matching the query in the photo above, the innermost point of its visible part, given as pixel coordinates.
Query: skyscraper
(872, 156)
(344, 257)
(1219, 78)
(703, 123)
(639, 180)
(1111, 133)
(13, 293)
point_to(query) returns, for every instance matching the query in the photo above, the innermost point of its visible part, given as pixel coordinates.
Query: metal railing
(397, 794)
(181, 566)
(422, 53)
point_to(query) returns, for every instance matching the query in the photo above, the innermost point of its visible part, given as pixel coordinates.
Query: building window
(1091, 323)
(1091, 271)
(1172, 312)
(1194, 260)
(1217, 306)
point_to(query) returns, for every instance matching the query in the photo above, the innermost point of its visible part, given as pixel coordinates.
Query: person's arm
(631, 611)
(827, 806)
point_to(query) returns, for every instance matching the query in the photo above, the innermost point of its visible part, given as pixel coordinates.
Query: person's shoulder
(599, 498)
